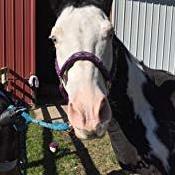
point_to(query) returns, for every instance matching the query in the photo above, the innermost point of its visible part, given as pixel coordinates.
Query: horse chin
(85, 135)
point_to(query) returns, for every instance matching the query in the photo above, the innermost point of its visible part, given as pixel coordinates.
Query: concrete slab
(55, 112)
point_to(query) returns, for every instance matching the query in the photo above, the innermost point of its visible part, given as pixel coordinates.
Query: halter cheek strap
(83, 56)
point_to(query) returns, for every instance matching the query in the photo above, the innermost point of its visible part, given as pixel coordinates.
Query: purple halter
(81, 56)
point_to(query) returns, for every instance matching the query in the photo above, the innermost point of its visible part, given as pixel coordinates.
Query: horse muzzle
(85, 134)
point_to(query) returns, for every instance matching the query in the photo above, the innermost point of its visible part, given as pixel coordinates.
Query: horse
(109, 89)
(83, 31)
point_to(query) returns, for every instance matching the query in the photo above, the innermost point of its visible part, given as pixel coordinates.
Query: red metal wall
(17, 43)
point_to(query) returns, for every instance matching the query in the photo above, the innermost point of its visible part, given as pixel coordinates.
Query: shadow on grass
(64, 152)
(49, 160)
(81, 150)
(49, 163)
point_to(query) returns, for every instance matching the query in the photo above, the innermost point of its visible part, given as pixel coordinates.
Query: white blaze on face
(85, 29)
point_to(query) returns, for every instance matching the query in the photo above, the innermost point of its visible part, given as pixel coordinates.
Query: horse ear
(54, 4)
(107, 5)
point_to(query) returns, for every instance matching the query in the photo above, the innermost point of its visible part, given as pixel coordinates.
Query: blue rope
(56, 126)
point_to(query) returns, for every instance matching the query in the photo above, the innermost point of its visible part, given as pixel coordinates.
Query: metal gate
(17, 43)
(147, 27)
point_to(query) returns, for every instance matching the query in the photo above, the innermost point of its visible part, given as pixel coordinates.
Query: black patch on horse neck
(163, 111)
(162, 99)
(120, 56)
(121, 105)
(123, 110)
(59, 5)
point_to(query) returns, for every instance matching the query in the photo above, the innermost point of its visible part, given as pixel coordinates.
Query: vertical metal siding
(147, 28)
(17, 43)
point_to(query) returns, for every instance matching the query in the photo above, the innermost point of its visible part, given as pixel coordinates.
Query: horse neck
(131, 87)
(129, 72)
(138, 104)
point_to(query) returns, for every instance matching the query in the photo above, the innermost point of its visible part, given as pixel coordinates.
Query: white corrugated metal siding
(147, 28)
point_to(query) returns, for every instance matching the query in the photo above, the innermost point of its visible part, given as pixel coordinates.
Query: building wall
(17, 43)
(147, 28)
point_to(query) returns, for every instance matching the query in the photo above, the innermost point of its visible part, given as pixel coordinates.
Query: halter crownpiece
(83, 56)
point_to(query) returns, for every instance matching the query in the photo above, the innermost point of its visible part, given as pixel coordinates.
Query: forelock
(78, 4)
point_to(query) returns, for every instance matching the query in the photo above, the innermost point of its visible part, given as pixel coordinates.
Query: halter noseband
(61, 72)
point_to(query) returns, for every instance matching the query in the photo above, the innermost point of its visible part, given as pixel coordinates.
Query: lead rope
(57, 126)
(19, 114)
(13, 111)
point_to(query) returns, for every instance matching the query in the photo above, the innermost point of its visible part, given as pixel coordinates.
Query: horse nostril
(71, 109)
(104, 110)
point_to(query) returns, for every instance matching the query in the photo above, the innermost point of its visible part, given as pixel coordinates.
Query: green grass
(41, 160)
(73, 158)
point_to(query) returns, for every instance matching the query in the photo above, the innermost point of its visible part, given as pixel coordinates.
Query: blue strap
(56, 126)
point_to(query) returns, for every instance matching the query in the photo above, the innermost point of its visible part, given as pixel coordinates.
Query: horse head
(83, 28)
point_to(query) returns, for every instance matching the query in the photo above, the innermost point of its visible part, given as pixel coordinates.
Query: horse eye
(111, 34)
(54, 39)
